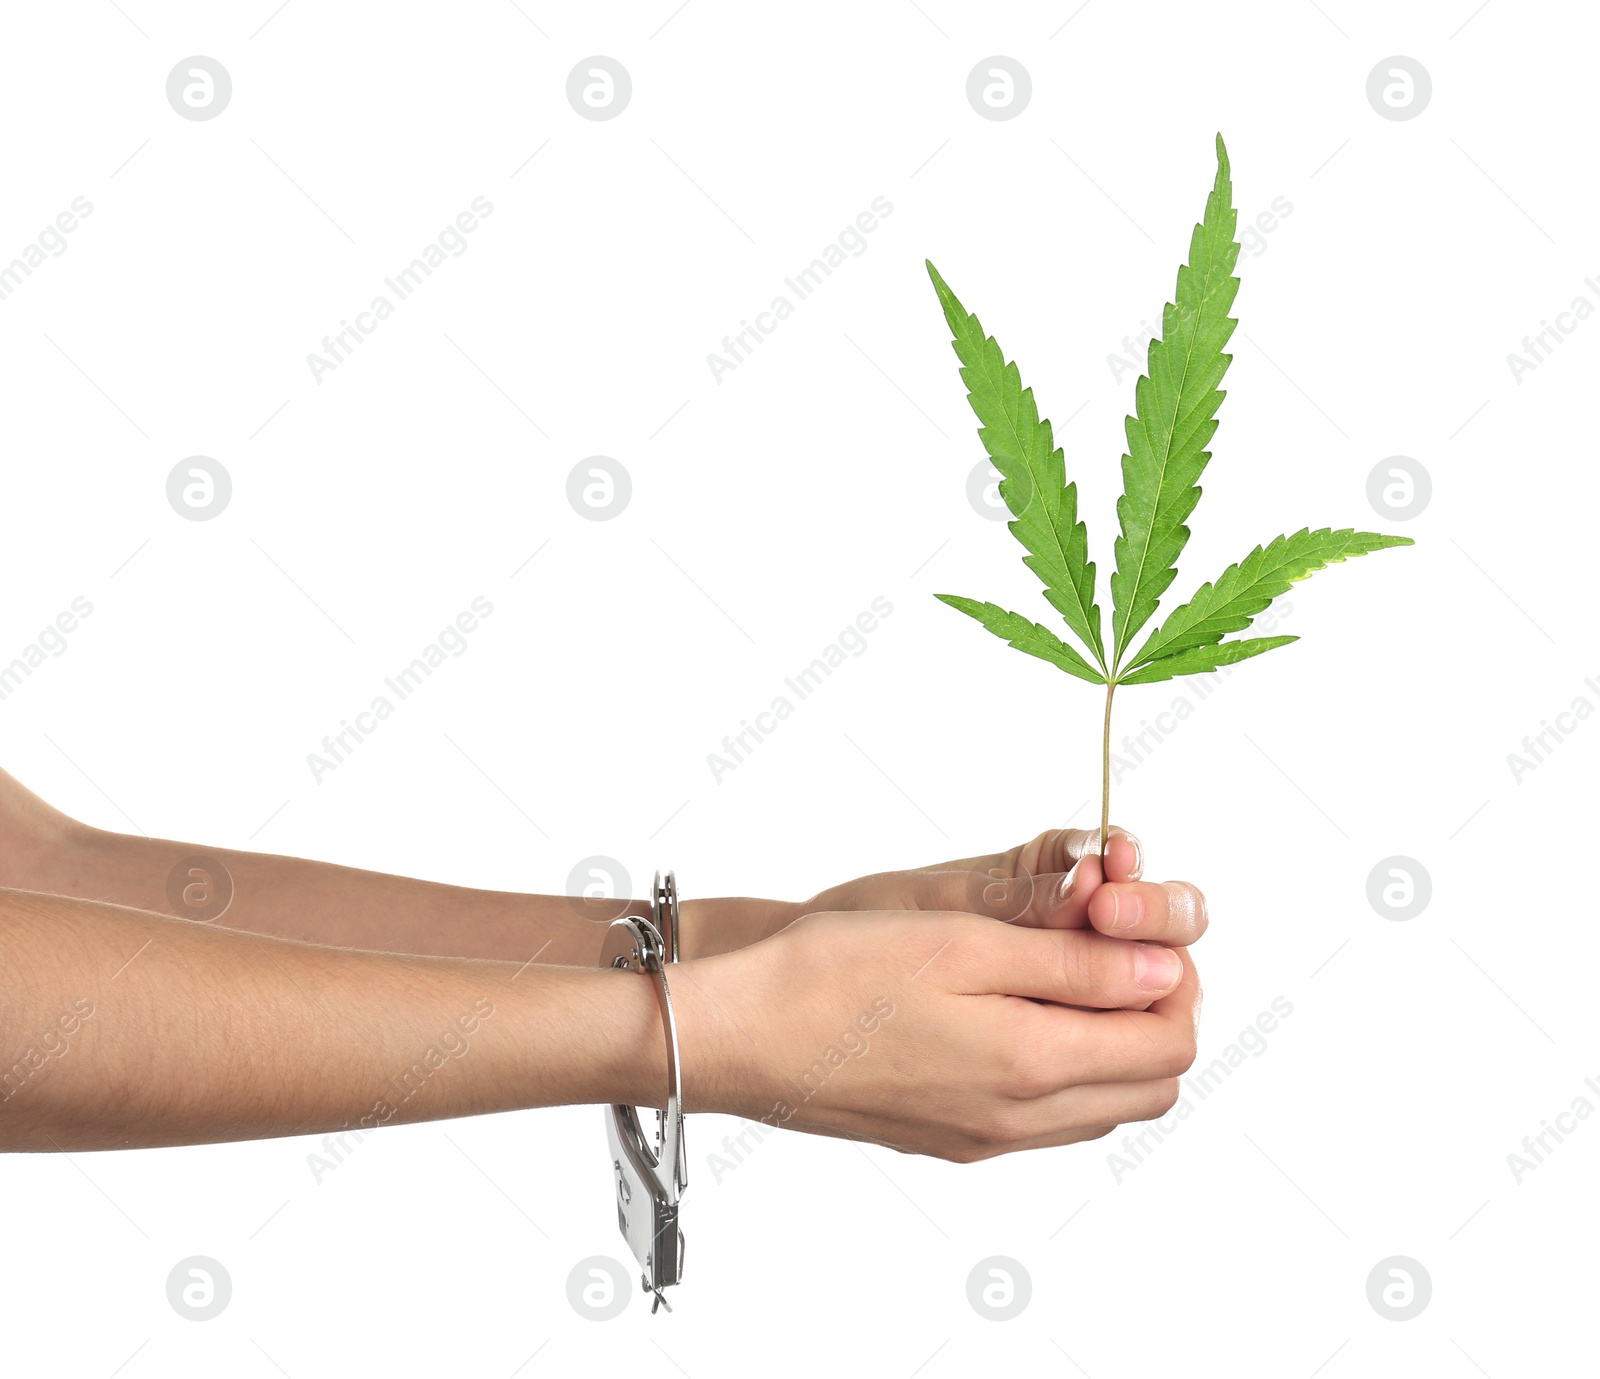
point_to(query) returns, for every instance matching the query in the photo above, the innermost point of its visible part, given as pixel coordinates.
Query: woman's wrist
(619, 1028)
(724, 924)
(45, 850)
(619, 1019)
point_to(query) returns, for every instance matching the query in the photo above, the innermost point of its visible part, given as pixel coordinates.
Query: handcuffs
(649, 1174)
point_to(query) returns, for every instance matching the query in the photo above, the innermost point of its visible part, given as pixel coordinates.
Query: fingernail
(1080, 843)
(1156, 968)
(1127, 909)
(1138, 859)
(1185, 904)
(1065, 887)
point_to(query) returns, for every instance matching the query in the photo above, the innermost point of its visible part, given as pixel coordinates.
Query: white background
(768, 510)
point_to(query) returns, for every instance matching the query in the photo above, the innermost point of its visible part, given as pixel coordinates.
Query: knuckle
(818, 937)
(1057, 849)
(1080, 965)
(1001, 897)
(1164, 1096)
(1040, 846)
(1010, 1128)
(1028, 1073)
(1108, 970)
(1001, 1125)
(1180, 1055)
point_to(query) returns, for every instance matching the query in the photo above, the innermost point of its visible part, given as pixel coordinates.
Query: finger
(1171, 912)
(1045, 900)
(1072, 1047)
(994, 1148)
(1061, 849)
(1073, 1115)
(1081, 968)
(1054, 900)
(1058, 850)
(1068, 904)
(1101, 1104)
(1001, 1137)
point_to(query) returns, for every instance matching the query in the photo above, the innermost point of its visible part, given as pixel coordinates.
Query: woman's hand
(1053, 881)
(937, 1033)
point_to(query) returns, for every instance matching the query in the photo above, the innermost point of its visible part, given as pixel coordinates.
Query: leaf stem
(1105, 780)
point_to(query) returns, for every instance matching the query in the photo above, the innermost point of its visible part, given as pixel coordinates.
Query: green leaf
(1175, 402)
(1203, 658)
(1032, 470)
(1244, 590)
(1026, 636)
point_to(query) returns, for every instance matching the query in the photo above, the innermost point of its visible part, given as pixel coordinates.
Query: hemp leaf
(1174, 419)
(1026, 636)
(1031, 467)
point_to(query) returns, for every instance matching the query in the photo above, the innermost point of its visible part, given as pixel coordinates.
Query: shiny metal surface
(650, 1173)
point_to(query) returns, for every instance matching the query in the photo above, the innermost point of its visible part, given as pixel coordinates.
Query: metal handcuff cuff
(649, 1178)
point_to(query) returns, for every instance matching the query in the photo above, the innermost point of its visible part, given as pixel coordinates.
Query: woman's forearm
(43, 850)
(129, 1029)
(346, 907)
